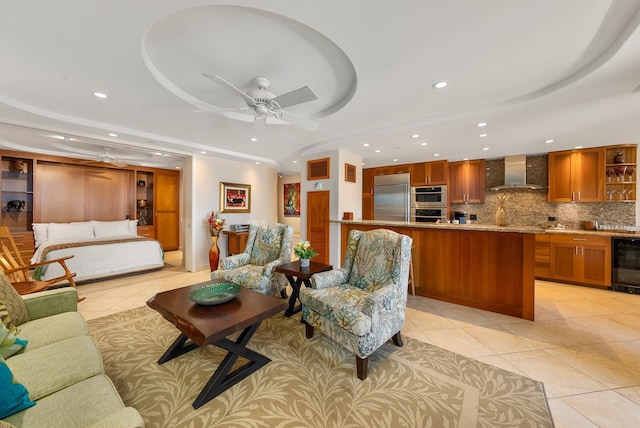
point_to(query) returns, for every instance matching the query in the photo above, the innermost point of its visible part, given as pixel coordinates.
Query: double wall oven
(429, 204)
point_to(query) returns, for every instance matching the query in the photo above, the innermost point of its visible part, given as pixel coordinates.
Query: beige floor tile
(606, 409)
(606, 325)
(560, 379)
(575, 331)
(462, 317)
(458, 341)
(500, 341)
(426, 321)
(606, 371)
(541, 336)
(500, 362)
(632, 393)
(565, 416)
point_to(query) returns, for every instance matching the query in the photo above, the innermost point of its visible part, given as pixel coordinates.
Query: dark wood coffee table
(210, 325)
(296, 275)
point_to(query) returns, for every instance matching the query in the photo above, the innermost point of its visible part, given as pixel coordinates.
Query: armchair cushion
(344, 307)
(266, 246)
(373, 261)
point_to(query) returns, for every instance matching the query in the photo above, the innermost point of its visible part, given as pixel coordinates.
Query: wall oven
(625, 266)
(429, 215)
(426, 197)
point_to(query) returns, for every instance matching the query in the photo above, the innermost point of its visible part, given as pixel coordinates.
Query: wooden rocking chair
(18, 271)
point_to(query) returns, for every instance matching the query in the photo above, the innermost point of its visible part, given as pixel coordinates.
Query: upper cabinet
(467, 182)
(620, 173)
(577, 175)
(429, 173)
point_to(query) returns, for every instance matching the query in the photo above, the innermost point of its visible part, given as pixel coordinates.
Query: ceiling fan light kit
(266, 104)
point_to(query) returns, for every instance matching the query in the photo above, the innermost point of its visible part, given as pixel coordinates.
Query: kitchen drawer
(542, 255)
(147, 231)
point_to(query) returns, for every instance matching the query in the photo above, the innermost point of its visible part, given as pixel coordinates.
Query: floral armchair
(267, 247)
(362, 305)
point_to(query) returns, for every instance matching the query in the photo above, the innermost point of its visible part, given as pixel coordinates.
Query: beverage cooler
(625, 264)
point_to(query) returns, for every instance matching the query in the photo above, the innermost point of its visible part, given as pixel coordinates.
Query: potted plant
(304, 251)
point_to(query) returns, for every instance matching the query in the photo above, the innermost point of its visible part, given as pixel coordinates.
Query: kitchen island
(482, 266)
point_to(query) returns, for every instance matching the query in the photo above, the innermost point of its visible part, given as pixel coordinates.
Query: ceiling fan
(104, 156)
(265, 104)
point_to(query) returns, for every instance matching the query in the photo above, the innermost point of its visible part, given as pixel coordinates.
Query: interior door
(167, 205)
(318, 204)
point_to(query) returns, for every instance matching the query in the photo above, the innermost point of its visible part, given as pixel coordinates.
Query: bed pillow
(9, 343)
(14, 397)
(13, 301)
(108, 229)
(40, 233)
(133, 227)
(66, 231)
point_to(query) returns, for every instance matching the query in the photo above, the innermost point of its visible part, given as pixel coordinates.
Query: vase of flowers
(216, 223)
(304, 251)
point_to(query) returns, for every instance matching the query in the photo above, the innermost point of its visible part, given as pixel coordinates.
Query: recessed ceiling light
(112, 134)
(257, 163)
(436, 154)
(158, 154)
(578, 147)
(295, 161)
(58, 137)
(483, 135)
(254, 139)
(415, 135)
(177, 167)
(424, 143)
(440, 85)
(365, 145)
(465, 159)
(100, 94)
(548, 141)
(203, 152)
(378, 151)
(395, 160)
(481, 124)
(485, 148)
(362, 163)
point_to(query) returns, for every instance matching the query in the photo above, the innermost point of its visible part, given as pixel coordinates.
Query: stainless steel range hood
(515, 174)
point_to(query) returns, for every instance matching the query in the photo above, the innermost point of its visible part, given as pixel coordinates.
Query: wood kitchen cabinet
(367, 193)
(543, 255)
(582, 259)
(577, 175)
(467, 182)
(429, 173)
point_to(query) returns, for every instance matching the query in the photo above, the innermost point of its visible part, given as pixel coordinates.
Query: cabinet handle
(579, 239)
(576, 250)
(572, 196)
(578, 195)
(582, 250)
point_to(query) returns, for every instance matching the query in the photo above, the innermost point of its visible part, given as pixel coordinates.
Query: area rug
(311, 382)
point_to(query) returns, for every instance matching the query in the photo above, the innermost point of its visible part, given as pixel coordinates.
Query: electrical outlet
(473, 217)
(551, 218)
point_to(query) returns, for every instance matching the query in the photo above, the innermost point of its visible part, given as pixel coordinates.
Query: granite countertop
(492, 228)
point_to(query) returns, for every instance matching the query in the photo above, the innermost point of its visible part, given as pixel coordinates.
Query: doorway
(318, 223)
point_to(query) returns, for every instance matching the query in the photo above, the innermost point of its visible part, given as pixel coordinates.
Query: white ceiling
(533, 70)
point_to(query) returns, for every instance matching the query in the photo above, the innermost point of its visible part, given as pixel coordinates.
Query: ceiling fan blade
(299, 121)
(259, 125)
(298, 96)
(219, 80)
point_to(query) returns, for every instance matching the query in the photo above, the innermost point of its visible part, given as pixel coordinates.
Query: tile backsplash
(530, 207)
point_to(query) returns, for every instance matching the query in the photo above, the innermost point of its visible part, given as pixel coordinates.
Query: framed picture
(291, 199)
(235, 198)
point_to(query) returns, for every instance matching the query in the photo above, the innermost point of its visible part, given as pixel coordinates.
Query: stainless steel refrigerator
(391, 197)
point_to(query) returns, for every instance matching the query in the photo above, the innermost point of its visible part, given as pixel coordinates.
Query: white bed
(100, 249)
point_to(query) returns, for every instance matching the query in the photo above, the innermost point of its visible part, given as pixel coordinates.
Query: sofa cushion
(44, 331)
(14, 397)
(79, 405)
(9, 343)
(13, 301)
(54, 367)
(5, 318)
(345, 307)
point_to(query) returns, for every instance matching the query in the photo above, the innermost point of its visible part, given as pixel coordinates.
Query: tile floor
(584, 344)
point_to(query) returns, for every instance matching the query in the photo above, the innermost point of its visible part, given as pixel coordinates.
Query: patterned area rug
(311, 382)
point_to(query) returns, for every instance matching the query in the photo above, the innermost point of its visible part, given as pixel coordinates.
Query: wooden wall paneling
(61, 193)
(107, 193)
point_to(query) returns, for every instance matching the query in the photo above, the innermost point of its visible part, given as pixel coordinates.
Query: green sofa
(61, 367)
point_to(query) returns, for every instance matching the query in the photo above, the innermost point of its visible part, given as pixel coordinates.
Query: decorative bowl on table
(214, 294)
